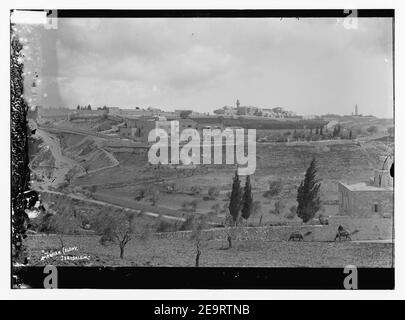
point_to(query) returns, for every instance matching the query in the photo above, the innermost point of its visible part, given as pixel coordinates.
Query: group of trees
(150, 194)
(313, 134)
(114, 226)
(308, 197)
(79, 107)
(117, 226)
(242, 206)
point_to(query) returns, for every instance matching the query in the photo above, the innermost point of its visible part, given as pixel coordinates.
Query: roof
(362, 186)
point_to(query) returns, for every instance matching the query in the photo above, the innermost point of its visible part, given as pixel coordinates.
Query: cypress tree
(247, 200)
(308, 194)
(236, 197)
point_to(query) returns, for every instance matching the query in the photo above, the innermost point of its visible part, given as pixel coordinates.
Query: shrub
(275, 188)
(155, 197)
(323, 220)
(372, 129)
(292, 212)
(170, 188)
(188, 224)
(63, 185)
(195, 190)
(93, 189)
(141, 194)
(216, 208)
(257, 207)
(280, 138)
(165, 226)
(43, 223)
(189, 205)
(106, 239)
(279, 207)
(213, 192)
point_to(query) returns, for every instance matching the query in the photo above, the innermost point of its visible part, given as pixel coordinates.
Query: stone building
(372, 199)
(139, 128)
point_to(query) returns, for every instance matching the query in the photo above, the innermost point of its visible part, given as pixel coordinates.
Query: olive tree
(116, 226)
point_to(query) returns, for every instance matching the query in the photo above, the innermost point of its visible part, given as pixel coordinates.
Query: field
(348, 162)
(181, 253)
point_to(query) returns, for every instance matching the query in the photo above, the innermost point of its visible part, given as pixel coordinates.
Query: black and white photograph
(202, 149)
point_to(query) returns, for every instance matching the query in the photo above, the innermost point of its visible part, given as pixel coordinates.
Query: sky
(309, 66)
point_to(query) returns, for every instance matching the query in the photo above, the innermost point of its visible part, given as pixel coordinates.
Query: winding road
(62, 163)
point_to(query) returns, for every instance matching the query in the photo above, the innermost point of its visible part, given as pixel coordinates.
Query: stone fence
(368, 229)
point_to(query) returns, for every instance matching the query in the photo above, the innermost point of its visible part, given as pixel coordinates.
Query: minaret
(356, 110)
(237, 103)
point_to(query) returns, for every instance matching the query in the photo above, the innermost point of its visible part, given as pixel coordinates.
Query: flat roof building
(366, 200)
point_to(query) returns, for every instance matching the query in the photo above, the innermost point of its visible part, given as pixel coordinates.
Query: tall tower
(356, 110)
(237, 103)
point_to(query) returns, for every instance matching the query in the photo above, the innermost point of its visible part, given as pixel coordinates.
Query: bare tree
(155, 197)
(117, 227)
(231, 230)
(257, 208)
(200, 224)
(65, 221)
(279, 207)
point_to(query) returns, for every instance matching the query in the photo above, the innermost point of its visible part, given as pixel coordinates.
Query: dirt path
(147, 213)
(48, 131)
(62, 163)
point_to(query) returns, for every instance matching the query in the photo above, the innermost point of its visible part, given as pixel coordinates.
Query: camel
(344, 234)
(298, 236)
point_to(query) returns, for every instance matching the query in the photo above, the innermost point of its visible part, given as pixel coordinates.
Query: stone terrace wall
(369, 229)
